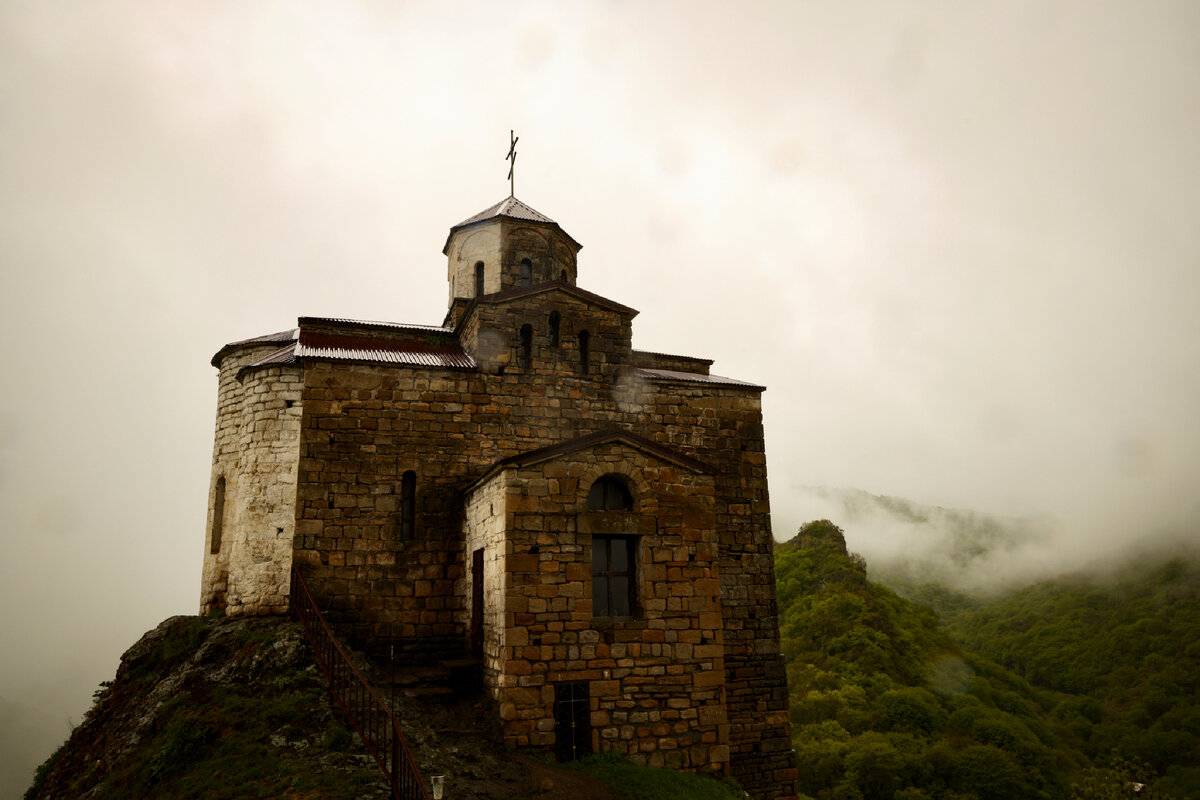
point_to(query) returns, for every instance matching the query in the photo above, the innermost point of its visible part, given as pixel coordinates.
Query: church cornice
(519, 292)
(551, 452)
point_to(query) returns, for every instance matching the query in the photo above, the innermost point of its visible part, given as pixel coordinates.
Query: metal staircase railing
(361, 704)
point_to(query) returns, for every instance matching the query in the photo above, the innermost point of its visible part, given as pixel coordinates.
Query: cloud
(957, 245)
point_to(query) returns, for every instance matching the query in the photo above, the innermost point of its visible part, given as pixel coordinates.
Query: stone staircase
(440, 681)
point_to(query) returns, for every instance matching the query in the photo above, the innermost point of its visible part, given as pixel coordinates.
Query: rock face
(201, 707)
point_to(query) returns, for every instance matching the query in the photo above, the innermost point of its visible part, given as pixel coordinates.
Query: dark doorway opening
(572, 721)
(477, 603)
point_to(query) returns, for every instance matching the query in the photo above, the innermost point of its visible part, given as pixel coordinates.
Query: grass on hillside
(629, 781)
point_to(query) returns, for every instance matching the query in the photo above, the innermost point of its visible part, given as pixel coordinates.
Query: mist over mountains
(973, 552)
(1076, 686)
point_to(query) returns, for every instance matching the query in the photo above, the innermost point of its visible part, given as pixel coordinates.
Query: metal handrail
(361, 704)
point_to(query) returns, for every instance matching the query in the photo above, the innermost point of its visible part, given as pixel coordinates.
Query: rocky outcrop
(201, 706)
(236, 708)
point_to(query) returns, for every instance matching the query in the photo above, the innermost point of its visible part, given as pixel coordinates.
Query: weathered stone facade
(437, 486)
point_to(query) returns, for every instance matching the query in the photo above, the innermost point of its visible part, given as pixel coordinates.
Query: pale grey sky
(957, 241)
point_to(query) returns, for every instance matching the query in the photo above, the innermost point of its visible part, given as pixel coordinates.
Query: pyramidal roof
(512, 208)
(508, 207)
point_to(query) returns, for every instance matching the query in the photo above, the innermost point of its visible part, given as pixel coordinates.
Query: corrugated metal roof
(511, 208)
(672, 355)
(508, 207)
(373, 349)
(290, 335)
(383, 350)
(452, 360)
(691, 377)
(283, 336)
(284, 355)
(377, 324)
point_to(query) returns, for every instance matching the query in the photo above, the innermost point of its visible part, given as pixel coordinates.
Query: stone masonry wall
(655, 681)
(501, 244)
(548, 250)
(483, 529)
(256, 452)
(364, 425)
(493, 332)
(469, 247)
(363, 428)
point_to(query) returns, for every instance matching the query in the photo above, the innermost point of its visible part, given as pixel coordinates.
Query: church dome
(506, 245)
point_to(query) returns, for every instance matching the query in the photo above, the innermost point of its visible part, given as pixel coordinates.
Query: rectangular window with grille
(572, 721)
(614, 576)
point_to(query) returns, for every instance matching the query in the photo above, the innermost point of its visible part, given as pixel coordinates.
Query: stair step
(439, 680)
(428, 692)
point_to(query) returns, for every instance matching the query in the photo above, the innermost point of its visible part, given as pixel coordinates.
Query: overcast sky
(959, 242)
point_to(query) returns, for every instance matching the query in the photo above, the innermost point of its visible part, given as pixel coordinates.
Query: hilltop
(236, 707)
(885, 703)
(911, 543)
(1069, 686)
(201, 704)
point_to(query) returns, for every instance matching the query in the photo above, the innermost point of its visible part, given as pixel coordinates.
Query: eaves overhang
(289, 335)
(558, 450)
(359, 341)
(518, 292)
(675, 376)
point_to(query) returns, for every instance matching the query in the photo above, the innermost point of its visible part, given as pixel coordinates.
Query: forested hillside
(886, 704)
(1125, 651)
(1108, 661)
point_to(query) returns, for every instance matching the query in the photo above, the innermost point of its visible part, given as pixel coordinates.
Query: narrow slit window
(584, 342)
(555, 321)
(218, 524)
(479, 278)
(526, 347)
(526, 271)
(408, 504)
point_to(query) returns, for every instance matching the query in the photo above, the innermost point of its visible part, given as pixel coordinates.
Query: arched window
(562, 276)
(584, 340)
(526, 347)
(555, 320)
(609, 494)
(478, 278)
(218, 524)
(526, 271)
(408, 504)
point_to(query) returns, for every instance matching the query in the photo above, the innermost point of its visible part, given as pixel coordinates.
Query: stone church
(521, 486)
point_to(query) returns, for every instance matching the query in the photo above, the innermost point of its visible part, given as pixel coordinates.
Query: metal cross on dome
(512, 156)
